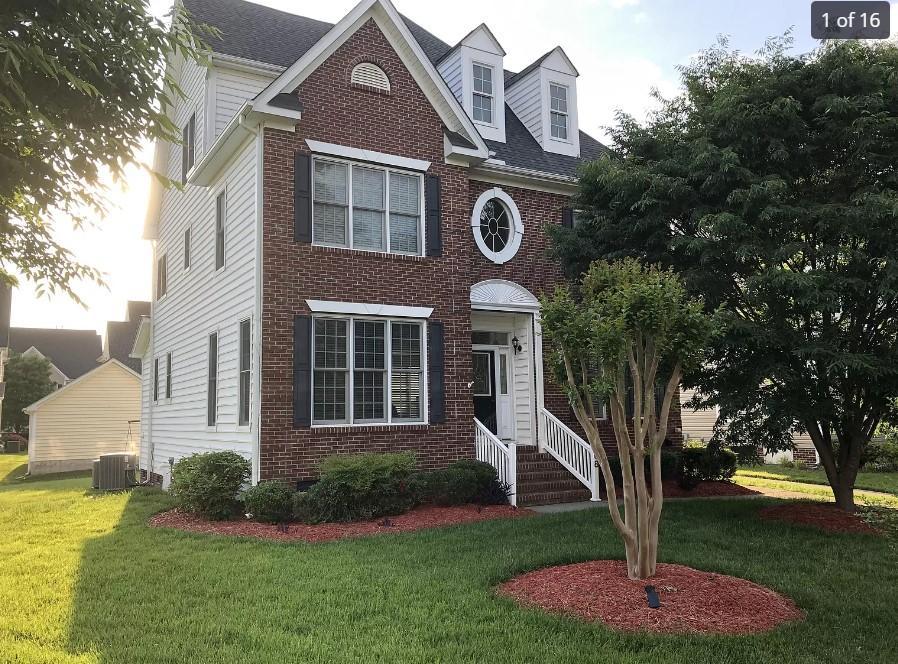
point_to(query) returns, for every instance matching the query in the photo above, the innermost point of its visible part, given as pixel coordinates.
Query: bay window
(367, 370)
(366, 207)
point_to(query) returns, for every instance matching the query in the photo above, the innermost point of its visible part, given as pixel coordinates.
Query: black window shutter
(567, 217)
(302, 371)
(436, 372)
(432, 215)
(302, 197)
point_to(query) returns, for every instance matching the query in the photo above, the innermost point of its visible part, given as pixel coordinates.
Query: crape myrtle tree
(626, 325)
(769, 184)
(82, 84)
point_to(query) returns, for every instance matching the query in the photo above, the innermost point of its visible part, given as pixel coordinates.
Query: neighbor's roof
(65, 389)
(73, 352)
(120, 335)
(279, 38)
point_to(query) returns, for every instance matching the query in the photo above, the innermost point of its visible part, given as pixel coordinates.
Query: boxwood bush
(465, 481)
(207, 484)
(270, 501)
(705, 463)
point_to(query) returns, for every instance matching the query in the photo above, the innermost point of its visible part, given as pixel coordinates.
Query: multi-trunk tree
(770, 184)
(625, 327)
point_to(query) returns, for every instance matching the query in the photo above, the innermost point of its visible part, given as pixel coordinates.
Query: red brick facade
(400, 123)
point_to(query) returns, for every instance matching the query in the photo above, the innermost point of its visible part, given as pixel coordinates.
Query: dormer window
(483, 94)
(558, 110)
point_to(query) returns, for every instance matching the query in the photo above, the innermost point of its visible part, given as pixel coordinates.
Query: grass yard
(883, 482)
(83, 579)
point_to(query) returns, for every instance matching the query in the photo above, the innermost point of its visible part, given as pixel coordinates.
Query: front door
(484, 388)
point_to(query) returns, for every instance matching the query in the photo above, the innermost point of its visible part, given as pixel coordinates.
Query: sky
(622, 49)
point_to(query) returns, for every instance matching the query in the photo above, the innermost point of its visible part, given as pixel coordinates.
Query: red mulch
(706, 490)
(825, 516)
(691, 601)
(417, 519)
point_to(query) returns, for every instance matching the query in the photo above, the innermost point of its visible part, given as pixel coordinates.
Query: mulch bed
(417, 519)
(825, 516)
(706, 490)
(692, 601)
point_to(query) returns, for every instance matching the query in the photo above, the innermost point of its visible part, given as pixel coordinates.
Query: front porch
(541, 459)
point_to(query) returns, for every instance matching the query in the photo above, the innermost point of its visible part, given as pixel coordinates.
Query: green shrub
(882, 456)
(270, 501)
(207, 484)
(465, 481)
(670, 462)
(359, 487)
(704, 464)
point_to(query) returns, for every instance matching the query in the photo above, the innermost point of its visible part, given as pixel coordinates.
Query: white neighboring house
(698, 424)
(98, 413)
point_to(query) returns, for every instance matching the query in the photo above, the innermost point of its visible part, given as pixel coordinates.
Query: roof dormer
(544, 97)
(474, 71)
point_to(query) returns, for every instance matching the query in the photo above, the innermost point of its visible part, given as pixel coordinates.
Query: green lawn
(83, 579)
(885, 482)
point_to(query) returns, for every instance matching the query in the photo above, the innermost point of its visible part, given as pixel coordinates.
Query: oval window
(496, 223)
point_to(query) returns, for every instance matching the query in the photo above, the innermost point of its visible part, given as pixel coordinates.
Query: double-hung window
(367, 371)
(366, 207)
(558, 111)
(188, 147)
(161, 276)
(168, 375)
(220, 216)
(212, 385)
(156, 379)
(483, 94)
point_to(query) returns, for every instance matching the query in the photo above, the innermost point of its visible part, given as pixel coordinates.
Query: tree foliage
(27, 380)
(628, 325)
(81, 86)
(769, 184)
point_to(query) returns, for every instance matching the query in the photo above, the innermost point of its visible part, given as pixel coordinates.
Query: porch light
(515, 344)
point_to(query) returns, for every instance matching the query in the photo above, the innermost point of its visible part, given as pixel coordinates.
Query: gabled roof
(279, 38)
(106, 366)
(74, 352)
(120, 335)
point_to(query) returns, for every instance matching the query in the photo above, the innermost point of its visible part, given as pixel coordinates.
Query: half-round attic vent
(370, 75)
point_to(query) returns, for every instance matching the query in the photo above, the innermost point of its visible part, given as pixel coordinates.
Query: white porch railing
(501, 456)
(572, 452)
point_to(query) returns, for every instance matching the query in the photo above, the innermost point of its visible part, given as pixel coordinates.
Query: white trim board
(334, 150)
(362, 309)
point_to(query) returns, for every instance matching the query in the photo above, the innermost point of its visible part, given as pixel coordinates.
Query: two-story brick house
(355, 259)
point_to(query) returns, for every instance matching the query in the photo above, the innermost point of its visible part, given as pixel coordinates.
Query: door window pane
(482, 383)
(503, 373)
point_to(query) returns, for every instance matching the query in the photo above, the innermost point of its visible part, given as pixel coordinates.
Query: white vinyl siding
(230, 89)
(364, 207)
(86, 419)
(200, 300)
(367, 370)
(451, 69)
(524, 100)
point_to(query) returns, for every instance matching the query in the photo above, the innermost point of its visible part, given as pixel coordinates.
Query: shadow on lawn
(15, 473)
(154, 595)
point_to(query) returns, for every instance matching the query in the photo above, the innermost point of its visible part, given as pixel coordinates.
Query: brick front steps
(543, 481)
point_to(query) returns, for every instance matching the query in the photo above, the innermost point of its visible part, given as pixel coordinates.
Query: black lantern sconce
(516, 345)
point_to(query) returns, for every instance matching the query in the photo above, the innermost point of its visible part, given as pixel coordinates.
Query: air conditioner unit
(113, 472)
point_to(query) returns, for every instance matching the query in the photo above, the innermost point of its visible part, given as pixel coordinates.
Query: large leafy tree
(82, 83)
(770, 185)
(626, 325)
(27, 380)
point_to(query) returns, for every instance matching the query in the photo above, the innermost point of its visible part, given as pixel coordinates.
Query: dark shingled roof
(120, 334)
(268, 35)
(74, 352)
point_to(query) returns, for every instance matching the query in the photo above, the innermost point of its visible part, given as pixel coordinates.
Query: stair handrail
(501, 456)
(571, 451)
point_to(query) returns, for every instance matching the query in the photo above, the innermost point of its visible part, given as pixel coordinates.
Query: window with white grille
(370, 75)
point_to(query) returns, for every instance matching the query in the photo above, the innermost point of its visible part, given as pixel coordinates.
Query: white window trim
(240, 322)
(370, 156)
(350, 354)
(516, 232)
(371, 310)
(567, 114)
(189, 252)
(223, 189)
(492, 95)
(160, 258)
(169, 372)
(422, 239)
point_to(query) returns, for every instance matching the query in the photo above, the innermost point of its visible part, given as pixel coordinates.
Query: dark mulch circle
(825, 516)
(692, 601)
(417, 519)
(707, 490)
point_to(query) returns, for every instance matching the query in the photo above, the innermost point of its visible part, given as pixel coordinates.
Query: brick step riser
(555, 498)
